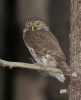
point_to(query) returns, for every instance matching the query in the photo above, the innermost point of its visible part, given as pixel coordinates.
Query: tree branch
(63, 91)
(29, 66)
(32, 66)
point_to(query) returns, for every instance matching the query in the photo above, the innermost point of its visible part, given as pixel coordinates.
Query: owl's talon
(33, 60)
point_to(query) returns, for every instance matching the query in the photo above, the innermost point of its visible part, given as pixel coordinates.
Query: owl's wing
(44, 42)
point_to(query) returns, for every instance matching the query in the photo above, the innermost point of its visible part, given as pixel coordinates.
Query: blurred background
(25, 84)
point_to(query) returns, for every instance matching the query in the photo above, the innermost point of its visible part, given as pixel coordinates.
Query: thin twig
(29, 66)
(63, 91)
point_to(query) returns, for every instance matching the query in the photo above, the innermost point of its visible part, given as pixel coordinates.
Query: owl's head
(35, 24)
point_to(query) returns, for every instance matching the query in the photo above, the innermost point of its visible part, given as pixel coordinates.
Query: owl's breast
(34, 39)
(44, 42)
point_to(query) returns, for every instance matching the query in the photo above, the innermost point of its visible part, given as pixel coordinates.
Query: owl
(43, 45)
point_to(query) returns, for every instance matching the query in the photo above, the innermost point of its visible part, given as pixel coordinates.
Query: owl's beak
(32, 28)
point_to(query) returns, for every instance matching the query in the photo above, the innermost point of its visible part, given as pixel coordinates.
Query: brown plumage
(43, 45)
(44, 42)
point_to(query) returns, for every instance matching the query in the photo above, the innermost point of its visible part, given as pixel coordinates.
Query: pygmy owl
(43, 45)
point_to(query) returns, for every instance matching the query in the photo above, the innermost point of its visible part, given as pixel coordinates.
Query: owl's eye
(37, 23)
(28, 24)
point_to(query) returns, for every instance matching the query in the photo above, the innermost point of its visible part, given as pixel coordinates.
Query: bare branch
(63, 91)
(32, 66)
(74, 74)
(29, 66)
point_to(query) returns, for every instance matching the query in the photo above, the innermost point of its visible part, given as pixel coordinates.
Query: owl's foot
(33, 61)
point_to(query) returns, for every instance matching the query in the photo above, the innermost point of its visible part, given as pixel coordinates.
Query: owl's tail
(60, 77)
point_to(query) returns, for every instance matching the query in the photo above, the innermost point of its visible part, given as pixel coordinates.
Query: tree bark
(75, 50)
